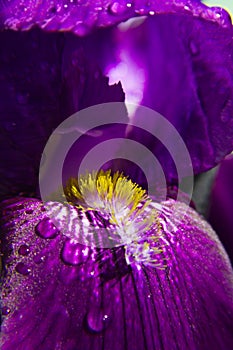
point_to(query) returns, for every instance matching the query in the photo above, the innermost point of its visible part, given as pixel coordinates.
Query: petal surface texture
(60, 295)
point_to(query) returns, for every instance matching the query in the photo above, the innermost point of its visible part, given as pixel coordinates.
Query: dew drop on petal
(29, 211)
(141, 11)
(222, 16)
(39, 258)
(46, 229)
(22, 269)
(24, 250)
(97, 320)
(81, 29)
(73, 253)
(119, 8)
(187, 7)
(5, 311)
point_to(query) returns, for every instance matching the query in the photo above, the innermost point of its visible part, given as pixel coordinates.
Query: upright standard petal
(44, 79)
(180, 66)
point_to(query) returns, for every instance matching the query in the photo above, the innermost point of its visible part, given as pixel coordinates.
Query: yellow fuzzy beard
(125, 203)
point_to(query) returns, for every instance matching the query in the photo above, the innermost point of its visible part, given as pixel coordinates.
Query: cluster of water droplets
(81, 17)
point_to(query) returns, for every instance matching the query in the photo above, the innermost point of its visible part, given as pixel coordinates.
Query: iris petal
(185, 76)
(44, 79)
(97, 302)
(81, 16)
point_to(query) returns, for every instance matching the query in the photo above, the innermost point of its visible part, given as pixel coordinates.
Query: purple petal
(60, 295)
(44, 79)
(81, 16)
(221, 204)
(181, 67)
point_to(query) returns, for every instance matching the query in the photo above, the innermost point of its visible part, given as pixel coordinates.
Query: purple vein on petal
(187, 305)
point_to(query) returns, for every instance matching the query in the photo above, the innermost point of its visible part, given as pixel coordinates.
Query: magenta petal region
(81, 17)
(99, 304)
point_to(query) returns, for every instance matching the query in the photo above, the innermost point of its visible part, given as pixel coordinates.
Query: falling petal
(81, 16)
(100, 302)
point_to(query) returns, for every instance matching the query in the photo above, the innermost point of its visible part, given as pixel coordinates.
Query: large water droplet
(46, 229)
(22, 269)
(24, 249)
(97, 320)
(73, 253)
(119, 7)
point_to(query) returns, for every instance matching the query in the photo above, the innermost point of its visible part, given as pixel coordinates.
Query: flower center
(126, 207)
(114, 195)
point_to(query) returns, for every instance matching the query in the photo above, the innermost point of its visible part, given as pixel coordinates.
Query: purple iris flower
(168, 284)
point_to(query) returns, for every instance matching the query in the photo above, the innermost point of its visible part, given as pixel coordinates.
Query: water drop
(97, 320)
(222, 16)
(118, 8)
(73, 253)
(141, 11)
(5, 311)
(38, 259)
(187, 8)
(6, 290)
(193, 48)
(22, 269)
(99, 8)
(46, 229)
(81, 29)
(29, 211)
(24, 250)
